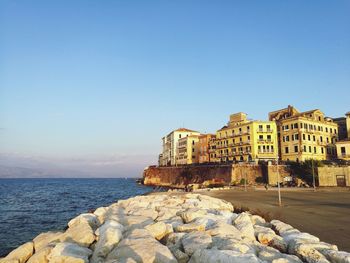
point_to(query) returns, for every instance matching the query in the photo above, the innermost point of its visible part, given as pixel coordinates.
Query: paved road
(325, 214)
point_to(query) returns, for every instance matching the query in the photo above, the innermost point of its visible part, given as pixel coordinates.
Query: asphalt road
(325, 214)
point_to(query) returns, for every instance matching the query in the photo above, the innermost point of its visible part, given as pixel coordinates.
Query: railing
(265, 130)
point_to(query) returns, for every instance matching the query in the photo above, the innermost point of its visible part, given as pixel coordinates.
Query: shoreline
(174, 227)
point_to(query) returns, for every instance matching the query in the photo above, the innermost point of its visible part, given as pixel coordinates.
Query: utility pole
(313, 174)
(279, 188)
(245, 181)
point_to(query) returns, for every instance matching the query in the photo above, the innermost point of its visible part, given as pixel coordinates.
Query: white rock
(88, 218)
(101, 214)
(20, 254)
(141, 247)
(69, 252)
(81, 234)
(110, 233)
(41, 256)
(158, 230)
(268, 237)
(195, 240)
(45, 239)
(245, 226)
(224, 230)
(222, 256)
(336, 256)
(191, 214)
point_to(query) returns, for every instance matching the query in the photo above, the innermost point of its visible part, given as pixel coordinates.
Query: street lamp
(278, 183)
(313, 174)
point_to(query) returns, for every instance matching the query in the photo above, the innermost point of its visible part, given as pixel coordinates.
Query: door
(341, 180)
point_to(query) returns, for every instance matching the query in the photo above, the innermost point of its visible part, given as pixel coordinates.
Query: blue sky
(103, 78)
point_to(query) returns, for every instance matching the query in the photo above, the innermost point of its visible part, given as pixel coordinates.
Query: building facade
(305, 135)
(187, 150)
(245, 140)
(343, 126)
(204, 146)
(169, 145)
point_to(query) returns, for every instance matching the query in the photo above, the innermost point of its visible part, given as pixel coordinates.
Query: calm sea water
(29, 207)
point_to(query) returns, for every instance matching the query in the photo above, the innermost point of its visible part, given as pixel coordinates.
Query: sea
(29, 207)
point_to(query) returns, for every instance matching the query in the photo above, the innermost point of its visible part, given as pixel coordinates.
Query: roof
(184, 130)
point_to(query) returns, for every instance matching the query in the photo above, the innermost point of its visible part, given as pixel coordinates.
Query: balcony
(266, 152)
(265, 141)
(264, 130)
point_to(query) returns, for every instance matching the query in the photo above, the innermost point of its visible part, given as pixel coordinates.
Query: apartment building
(187, 150)
(305, 135)
(245, 140)
(343, 145)
(169, 146)
(204, 146)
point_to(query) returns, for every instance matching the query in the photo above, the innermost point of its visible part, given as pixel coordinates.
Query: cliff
(212, 174)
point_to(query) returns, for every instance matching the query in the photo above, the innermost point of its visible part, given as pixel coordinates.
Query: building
(187, 150)
(203, 147)
(343, 149)
(245, 140)
(305, 135)
(343, 126)
(170, 142)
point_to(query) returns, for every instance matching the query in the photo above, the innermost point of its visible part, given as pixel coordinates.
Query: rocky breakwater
(175, 228)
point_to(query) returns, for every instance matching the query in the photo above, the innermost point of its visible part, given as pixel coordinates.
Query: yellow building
(343, 150)
(245, 140)
(305, 135)
(187, 151)
(170, 142)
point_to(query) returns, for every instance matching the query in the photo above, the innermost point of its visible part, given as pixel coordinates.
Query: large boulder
(109, 235)
(268, 237)
(336, 256)
(195, 240)
(245, 226)
(41, 256)
(81, 234)
(20, 254)
(191, 214)
(69, 252)
(141, 246)
(45, 239)
(88, 218)
(158, 230)
(222, 256)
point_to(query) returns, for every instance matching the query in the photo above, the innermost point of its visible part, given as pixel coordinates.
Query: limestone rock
(45, 239)
(196, 225)
(41, 256)
(268, 237)
(81, 234)
(101, 214)
(336, 256)
(224, 230)
(141, 247)
(88, 218)
(191, 214)
(109, 235)
(158, 230)
(195, 240)
(20, 254)
(222, 256)
(245, 226)
(69, 252)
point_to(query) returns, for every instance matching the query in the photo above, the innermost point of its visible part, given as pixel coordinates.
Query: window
(296, 136)
(322, 150)
(193, 150)
(261, 137)
(269, 137)
(296, 148)
(321, 139)
(342, 150)
(287, 138)
(310, 149)
(192, 142)
(296, 125)
(268, 127)
(330, 130)
(271, 148)
(309, 137)
(314, 137)
(326, 129)
(315, 150)
(304, 148)
(304, 137)
(286, 150)
(180, 136)
(248, 138)
(259, 148)
(260, 127)
(305, 126)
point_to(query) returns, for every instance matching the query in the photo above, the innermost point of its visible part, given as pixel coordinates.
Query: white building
(170, 142)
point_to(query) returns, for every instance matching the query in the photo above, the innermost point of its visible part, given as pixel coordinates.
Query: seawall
(223, 174)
